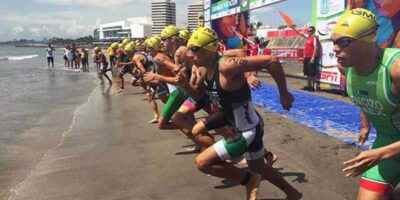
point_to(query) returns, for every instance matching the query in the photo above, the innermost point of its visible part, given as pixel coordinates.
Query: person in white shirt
(50, 55)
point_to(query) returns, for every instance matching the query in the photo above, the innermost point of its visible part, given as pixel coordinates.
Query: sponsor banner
(253, 4)
(285, 53)
(244, 5)
(387, 13)
(326, 13)
(325, 17)
(328, 55)
(330, 75)
(224, 8)
(327, 8)
(284, 33)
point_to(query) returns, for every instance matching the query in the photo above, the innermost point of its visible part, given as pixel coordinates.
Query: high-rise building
(195, 15)
(163, 13)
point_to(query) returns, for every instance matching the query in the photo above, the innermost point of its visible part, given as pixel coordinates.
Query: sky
(38, 19)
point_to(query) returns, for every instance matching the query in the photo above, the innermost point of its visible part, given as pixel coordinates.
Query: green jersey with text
(373, 94)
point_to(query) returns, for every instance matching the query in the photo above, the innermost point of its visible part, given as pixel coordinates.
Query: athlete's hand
(149, 77)
(362, 162)
(253, 82)
(287, 100)
(182, 79)
(178, 69)
(363, 137)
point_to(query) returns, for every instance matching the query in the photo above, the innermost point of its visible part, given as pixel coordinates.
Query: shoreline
(109, 151)
(30, 145)
(112, 153)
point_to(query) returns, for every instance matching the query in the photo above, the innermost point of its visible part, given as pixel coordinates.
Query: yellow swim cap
(357, 23)
(169, 31)
(114, 45)
(121, 46)
(130, 47)
(184, 34)
(205, 38)
(153, 43)
(110, 51)
(125, 41)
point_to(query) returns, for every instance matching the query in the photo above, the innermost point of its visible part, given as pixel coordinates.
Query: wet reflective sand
(110, 152)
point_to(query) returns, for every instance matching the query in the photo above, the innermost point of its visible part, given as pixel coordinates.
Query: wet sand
(111, 152)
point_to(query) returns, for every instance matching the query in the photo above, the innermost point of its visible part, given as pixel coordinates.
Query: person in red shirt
(312, 56)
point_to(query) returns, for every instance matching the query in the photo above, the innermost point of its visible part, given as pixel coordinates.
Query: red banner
(285, 53)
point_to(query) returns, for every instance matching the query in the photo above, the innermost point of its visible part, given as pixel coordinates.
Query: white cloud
(38, 25)
(72, 18)
(89, 3)
(17, 30)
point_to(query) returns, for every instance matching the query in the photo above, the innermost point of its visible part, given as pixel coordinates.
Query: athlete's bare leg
(271, 175)
(209, 163)
(364, 194)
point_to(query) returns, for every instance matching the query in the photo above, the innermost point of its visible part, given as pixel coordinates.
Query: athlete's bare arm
(232, 66)
(367, 159)
(251, 77)
(195, 86)
(235, 53)
(164, 61)
(364, 128)
(153, 77)
(180, 54)
(235, 66)
(239, 65)
(138, 59)
(121, 64)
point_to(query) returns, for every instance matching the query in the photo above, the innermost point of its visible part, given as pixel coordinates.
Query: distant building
(195, 15)
(137, 27)
(96, 34)
(163, 13)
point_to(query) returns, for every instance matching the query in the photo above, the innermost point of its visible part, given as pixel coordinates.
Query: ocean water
(37, 105)
(28, 90)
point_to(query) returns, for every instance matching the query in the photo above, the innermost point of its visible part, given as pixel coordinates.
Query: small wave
(16, 58)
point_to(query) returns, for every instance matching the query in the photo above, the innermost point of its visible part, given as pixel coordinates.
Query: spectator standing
(66, 63)
(70, 56)
(85, 60)
(312, 57)
(50, 56)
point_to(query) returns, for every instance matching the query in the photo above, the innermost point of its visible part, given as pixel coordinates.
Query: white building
(195, 13)
(137, 27)
(163, 13)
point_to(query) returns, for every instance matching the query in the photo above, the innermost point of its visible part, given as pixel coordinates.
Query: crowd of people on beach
(76, 58)
(188, 72)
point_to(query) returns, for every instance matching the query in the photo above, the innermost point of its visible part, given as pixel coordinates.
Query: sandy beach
(110, 152)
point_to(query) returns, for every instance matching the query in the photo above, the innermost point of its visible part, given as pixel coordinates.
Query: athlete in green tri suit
(373, 84)
(171, 41)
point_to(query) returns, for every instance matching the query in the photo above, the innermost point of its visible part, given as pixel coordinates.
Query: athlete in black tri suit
(227, 74)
